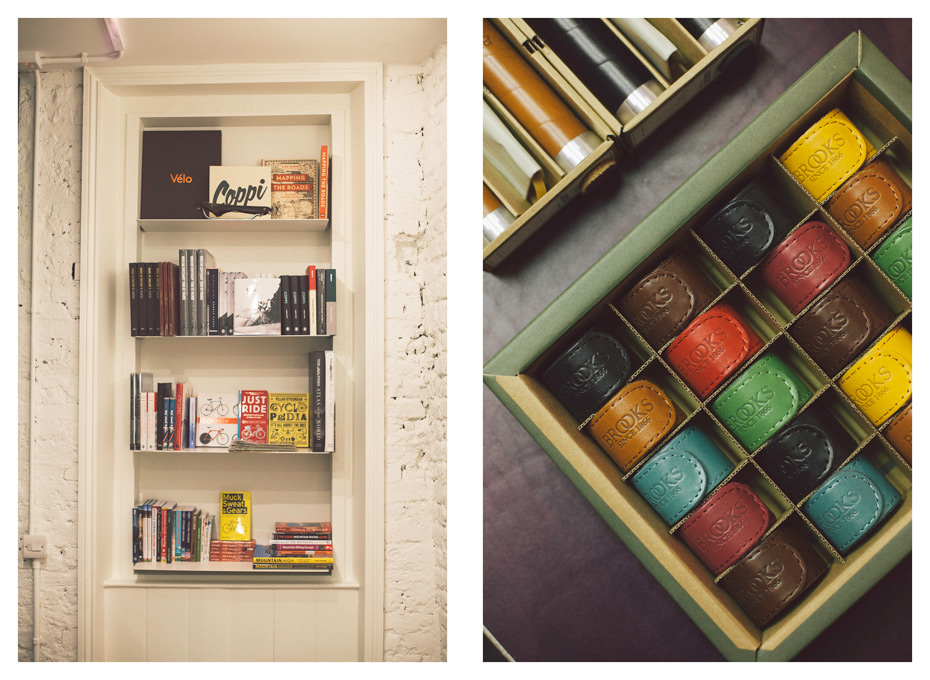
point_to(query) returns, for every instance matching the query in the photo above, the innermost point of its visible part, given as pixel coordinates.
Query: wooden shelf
(232, 225)
(216, 568)
(218, 449)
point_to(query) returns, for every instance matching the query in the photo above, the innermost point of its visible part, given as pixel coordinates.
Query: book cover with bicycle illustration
(235, 515)
(217, 419)
(253, 416)
(289, 418)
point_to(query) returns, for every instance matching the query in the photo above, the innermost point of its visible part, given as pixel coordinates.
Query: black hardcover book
(212, 302)
(140, 297)
(303, 285)
(133, 410)
(286, 318)
(318, 400)
(162, 392)
(133, 300)
(144, 306)
(320, 301)
(295, 304)
(176, 172)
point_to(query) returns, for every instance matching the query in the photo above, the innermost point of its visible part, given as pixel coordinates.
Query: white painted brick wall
(415, 251)
(415, 361)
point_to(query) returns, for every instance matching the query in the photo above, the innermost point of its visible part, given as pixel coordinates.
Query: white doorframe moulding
(105, 353)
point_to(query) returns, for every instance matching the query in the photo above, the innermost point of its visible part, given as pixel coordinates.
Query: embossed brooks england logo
(796, 458)
(735, 240)
(629, 424)
(756, 407)
(767, 579)
(873, 388)
(832, 331)
(665, 488)
(655, 308)
(724, 527)
(804, 263)
(704, 352)
(864, 207)
(593, 369)
(900, 268)
(842, 511)
(821, 159)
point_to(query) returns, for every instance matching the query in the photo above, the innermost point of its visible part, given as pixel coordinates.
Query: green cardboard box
(856, 77)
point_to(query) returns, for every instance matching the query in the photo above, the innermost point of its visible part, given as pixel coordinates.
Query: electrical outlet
(33, 547)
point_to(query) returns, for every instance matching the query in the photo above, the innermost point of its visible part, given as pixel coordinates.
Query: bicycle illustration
(211, 405)
(252, 433)
(233, 526)
(217, 435)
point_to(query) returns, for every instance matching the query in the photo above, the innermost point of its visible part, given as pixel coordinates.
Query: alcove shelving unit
(215, 610)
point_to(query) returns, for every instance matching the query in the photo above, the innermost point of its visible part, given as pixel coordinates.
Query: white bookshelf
(288, 111)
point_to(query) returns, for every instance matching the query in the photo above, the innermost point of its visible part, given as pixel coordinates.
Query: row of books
(183, 167)
(164, 531)
(196, 298)
(167, 416)
(297, 545)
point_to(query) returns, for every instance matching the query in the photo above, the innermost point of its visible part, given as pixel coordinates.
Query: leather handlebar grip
(512, 80)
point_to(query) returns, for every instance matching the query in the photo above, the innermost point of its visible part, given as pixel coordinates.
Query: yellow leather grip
(880, 382)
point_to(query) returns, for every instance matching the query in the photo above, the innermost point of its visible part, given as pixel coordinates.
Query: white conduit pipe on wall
(36, 572)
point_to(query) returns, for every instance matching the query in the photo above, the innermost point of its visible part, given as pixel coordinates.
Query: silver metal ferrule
(714, 36)
(496, 222)
(640, 98)
(577, 150)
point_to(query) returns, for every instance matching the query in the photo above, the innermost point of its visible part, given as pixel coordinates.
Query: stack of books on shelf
(196, 298)
(167, 416)
(164, 531)
(235, 543)
(307, 546)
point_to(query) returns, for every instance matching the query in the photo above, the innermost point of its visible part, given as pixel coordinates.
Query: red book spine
(179, 419)
(253, 416)
(324, 183)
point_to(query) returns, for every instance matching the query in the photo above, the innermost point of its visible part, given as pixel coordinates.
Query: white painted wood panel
(251, 636)
(166, 624)
(210, 624)
(296, 625)
(124, 637)
(335, 640)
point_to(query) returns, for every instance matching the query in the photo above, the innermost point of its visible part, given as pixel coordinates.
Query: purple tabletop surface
(559, 585)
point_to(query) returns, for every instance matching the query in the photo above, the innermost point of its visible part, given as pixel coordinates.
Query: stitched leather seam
(856, 135)
(907, 369)
(713, 503)
(819, 308)
(586, 341)
(684, 284)
(689, 458)
(894, 190)
(776, 607)
(844, 260)
(755, 207)
(846, 474)
(661, 398)
(890, 243)
(795, 399)
(744, 347)
(820, 435)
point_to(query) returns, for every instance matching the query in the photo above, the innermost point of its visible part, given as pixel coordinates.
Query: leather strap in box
(632, 422)
(851, 503)
(748, 226)
(871, 202)
(898, 433)
(827, 154)
(726, 526)
(591, 371)
(841, 324)
(712, 347)
(894, 257)
(805, 452)
(760, 401)
(805, 264)
(880, 383)
(775, 574)
(682, 473)
(664, 301)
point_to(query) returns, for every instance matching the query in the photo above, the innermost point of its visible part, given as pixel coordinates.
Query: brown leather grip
(546, 117)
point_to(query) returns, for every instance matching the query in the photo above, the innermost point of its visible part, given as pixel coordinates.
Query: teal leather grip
(760, 401)
(682, 473)
(852, 502)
